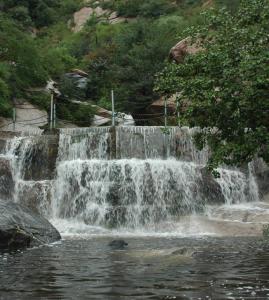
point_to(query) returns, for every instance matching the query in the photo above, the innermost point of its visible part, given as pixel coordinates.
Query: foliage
(36, 43)
(79, 114)
(20, 64)
(40, 99)
(227, 83)
(38, 12)
(150, 8)
(5, 106)
(57, 61)
(127, 60)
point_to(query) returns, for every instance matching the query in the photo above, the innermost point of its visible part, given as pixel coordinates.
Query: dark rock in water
(118, 244)
(181, 251)
(6, 180)
(261, 172)
(210, 188)
(20, 227)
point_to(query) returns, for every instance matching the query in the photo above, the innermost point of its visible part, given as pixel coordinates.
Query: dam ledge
(130, 180)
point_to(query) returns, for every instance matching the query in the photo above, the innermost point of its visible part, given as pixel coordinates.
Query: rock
(6, 180)
(157, 107)
(118, 244)
(41, 158)
(20, 227)
(81, 17)
(183, 48)
(84, 14)
(35, 195)
(261, 172)
(208, 4)
(210, 188)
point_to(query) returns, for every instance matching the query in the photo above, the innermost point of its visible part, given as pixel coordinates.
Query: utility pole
(113, 107)
(14, 118)
(51, 110)
(54, 115)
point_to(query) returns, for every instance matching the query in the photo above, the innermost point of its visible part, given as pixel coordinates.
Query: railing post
(54, 115)
(14, 118)
(165, 112)
(113, 107)
(51, 110)
(177, 109)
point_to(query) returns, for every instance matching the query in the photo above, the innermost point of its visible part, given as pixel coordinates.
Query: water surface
(149, 268)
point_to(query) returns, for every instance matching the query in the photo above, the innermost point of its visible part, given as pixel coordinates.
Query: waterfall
(124, 177)
(18, 152)
(151, 177)
(84, 143)
(156, 143)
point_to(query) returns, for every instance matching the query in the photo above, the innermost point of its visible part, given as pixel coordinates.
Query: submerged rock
(20, 227)
(118, 244)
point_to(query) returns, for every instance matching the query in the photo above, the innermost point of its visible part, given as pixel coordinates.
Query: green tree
(227, 83)
(20, 55)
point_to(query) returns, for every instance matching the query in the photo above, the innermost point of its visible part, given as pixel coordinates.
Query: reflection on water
(149, 268)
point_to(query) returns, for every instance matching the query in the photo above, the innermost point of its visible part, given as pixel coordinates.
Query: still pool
(148, 268)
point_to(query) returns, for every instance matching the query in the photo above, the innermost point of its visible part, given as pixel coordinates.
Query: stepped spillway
(130, 178)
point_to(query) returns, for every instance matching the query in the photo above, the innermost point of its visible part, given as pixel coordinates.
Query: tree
(19, 53)
(227, 83)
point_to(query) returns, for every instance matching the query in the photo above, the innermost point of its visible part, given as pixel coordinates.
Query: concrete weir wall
(31, 165)
(27, 168)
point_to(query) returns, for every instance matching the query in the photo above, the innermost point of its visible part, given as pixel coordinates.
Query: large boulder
(183, 48)
(82, 16)
(20, 227)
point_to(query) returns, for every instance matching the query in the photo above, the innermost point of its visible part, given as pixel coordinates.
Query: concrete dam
(124, 178)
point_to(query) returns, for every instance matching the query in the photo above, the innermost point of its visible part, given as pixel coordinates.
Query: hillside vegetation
(37, 43)
(225, 85)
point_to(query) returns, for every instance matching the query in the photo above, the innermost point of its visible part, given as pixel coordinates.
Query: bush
(155, 8)
(21, 14)
(227, 85)
(40, 99)
(58, 60)
(5, 105)
(134, 8)
(79, 114)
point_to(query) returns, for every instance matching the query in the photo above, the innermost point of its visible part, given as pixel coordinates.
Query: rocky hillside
(119, 44)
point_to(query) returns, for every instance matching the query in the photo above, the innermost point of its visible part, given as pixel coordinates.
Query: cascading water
(129, 178)
(156, 143)
(18, 152)
(121, 179)
(84, 144)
